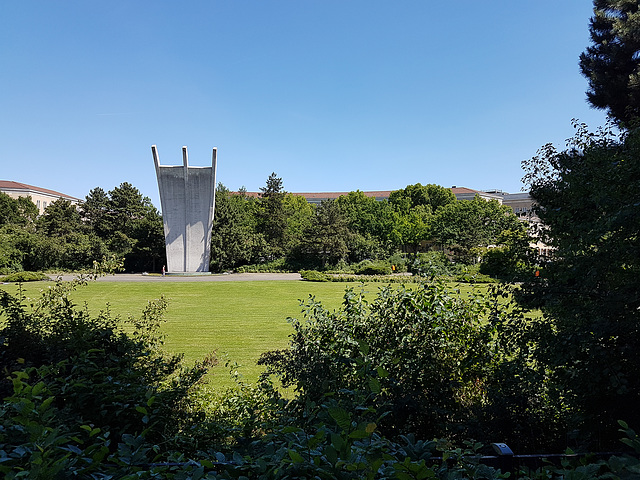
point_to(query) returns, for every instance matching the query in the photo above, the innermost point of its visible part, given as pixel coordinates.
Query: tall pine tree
(612, 62)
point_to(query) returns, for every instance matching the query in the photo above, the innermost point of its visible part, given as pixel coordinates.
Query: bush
(399, 260)
(275, 266)
(87, 401)
(432, 264)
(97, 373)
(368, 267)
(20, 277)
(313, 276)
(432, 355)
(513, 260)
(474, 278)
(341, 277)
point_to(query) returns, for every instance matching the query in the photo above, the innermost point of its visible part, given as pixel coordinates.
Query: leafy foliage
(465, 226)
(514, 260)
(589, 291)
(611, 63)
(271, 216)
(20, 277)
(430, 357)
(95, 372)
(325, 241)
(313, 276)
(20, 211)
(234, 240)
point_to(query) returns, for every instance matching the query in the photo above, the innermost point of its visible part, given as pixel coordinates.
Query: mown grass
(238, 320)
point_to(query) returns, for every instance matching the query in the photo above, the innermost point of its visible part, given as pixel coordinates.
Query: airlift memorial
(187, 198)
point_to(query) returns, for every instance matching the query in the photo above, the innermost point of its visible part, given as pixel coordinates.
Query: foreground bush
(439, 361)
(94, 372)
(87, 401)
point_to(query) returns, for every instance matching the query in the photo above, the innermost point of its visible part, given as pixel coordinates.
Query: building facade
(40, 196)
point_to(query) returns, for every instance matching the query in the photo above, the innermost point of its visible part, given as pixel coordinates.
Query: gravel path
(218, 277)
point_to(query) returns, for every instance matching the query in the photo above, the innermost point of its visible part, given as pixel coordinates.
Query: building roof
(23, 187)
(459, 192)
(323, 195)
(334, 195)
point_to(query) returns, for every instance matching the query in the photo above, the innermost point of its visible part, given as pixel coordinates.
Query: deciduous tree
(466, 225)
(588, 197)
(433, 196)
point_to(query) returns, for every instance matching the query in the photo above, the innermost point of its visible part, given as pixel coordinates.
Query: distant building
(40, 196)
(461, 193)
(520, 203)
(318, 198)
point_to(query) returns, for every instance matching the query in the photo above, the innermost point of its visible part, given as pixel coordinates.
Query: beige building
(461, 193)
(40, 196)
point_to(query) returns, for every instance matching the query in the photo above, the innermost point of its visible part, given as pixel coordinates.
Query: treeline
(285, 228)
(277, 229)
(121, 223)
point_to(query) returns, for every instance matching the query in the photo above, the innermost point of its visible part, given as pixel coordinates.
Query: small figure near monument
(187, 197)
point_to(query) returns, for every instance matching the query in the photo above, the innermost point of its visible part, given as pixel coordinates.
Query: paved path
(218, 277)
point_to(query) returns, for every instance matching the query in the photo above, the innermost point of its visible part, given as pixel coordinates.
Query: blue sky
(331, 95)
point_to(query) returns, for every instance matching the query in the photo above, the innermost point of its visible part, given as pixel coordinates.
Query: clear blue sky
(331, 95)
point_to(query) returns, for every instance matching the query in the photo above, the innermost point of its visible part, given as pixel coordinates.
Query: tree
(611, 64)
(299, 216)
(234, 241)
(366, 215)
(588, 198)
(149, 250)
(126, 205)
(17, 211)
(60, 218)
(272, 220)
(129, 224)
(327, 238)
(413, 208)
(411, 228)
(63, 241)
(94, 210)
(433, 196)
(466, 225)
(16, 247)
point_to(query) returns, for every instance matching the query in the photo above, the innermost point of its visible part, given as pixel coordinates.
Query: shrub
(432, 264)
(432, 355)
(20, 277)
(399, 260)
(97, 373)
(373, 278)
(313, 276)
(474, 278)
(275, 266)
(368, 267)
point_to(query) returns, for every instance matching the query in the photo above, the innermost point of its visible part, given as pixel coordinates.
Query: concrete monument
(187, 197)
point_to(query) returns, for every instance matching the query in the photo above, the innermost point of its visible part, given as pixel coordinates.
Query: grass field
(239, 320)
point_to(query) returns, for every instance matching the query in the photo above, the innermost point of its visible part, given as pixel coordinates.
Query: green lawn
(239, 320)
